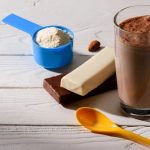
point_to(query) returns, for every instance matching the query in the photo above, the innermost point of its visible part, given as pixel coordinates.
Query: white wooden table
(21, 92)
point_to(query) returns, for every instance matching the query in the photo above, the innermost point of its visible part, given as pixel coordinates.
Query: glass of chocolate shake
(132, 58)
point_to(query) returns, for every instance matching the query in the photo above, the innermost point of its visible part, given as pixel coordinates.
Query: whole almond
(94, 46)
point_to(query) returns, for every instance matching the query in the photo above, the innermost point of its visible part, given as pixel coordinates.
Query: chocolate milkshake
(132, 60)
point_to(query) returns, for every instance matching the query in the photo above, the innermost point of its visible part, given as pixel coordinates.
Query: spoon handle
(22, 24)
(134, 137)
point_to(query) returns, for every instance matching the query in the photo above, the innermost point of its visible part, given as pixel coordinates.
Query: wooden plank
(98, 24)
(22, 71)
(64, 137)
(34, 106)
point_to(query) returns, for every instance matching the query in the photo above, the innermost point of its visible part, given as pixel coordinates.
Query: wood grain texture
(34, 106)
(22, 71)
(31, 107)
(91, 21)
(21, 78)
(63, 137)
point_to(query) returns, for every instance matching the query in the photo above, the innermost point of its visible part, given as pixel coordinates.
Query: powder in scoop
(52, 37)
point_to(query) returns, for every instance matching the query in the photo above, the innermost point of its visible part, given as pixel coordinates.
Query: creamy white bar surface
(90, 74)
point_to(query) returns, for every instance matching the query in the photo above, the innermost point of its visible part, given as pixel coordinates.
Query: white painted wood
(21, 95)
(22, 71)
(88, 19)
(34, 106)
(64, 137)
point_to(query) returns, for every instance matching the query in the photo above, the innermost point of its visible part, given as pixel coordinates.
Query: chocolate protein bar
(63, 96)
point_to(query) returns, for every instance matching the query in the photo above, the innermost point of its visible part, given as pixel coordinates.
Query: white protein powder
(51, 37)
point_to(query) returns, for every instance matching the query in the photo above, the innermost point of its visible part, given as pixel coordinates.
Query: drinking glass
(132, 59)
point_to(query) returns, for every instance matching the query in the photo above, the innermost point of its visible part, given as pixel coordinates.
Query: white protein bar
(90, 74)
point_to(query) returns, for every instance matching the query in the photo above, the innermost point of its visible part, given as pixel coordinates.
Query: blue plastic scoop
(47, 57)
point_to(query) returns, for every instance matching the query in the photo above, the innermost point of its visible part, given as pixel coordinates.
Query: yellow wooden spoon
(97, 122)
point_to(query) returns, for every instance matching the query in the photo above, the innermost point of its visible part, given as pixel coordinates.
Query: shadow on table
(78, 59)
(107, 102)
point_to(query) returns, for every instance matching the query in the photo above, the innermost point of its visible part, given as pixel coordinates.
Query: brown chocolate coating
(63, 96)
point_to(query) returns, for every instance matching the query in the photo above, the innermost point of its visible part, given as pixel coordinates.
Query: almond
(94, 46)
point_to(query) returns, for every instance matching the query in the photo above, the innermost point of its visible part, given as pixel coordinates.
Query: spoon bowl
(96, 121)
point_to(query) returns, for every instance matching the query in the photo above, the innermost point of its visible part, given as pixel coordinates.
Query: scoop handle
(134, 137)
(21, 24)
